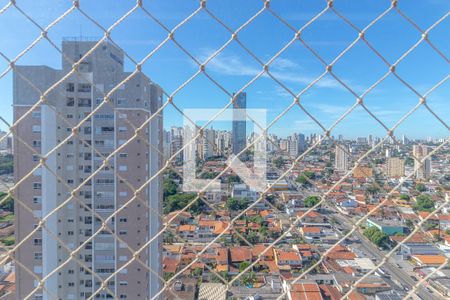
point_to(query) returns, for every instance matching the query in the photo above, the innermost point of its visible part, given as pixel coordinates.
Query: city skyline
(224, 149)
(295, 68)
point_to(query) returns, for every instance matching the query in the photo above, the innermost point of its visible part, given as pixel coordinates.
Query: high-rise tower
(239, 140)
(66, 189)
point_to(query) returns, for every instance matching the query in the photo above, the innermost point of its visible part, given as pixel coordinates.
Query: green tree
(420, 187)
(234, 179)
(168, 237)
(257, 219)
(179, 201)
(424, 203)
(217, 279)
(310, 201)
(237, 204)
(376, 236)
(6, 164)
(172, 174)
(249, 278)
(409, 223)
(252, 237)
(8, 203)
(169, 187)
(209, 175)
(404, 197)
(278, 162)
(197, 272)
(304, 179)
(167, 276)
(409, 161)
(372, 189)
(243, 265)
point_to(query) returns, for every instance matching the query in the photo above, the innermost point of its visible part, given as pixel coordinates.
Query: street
(397, 274)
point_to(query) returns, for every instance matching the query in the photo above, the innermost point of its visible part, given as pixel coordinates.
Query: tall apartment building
(422, 171)
(296, 145)
(176, 142)
(395, 167)
(72, 161)
(167, 140)
(207, 144)
(239, 130)
(223, 142)
(341, 158)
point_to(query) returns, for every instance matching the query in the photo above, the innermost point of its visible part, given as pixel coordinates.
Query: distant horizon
(295, 68)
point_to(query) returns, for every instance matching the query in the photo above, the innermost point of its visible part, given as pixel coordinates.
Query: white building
(341, 158)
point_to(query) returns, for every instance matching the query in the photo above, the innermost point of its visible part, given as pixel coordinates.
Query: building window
(37, 186)
(84, 87)
(70, 101)
(36, 143)
(84, 102)
(70, 87)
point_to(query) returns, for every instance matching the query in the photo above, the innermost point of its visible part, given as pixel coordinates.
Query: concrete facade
(68, 175)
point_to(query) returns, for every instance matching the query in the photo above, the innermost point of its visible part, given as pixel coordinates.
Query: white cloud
(306, 125)
(284, 63)
(232, 65)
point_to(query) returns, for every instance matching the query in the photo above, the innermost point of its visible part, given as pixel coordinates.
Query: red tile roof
(239, 254)
(305, 291)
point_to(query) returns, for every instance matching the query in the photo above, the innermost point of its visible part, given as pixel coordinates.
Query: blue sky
(296, 67)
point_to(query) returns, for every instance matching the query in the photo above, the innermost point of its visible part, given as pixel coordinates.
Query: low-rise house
(187, 232)
(312, 234)
(258, 250)
(170, 265)
(305, 291)
(242, 191)
(287, 259)
(428, 260)
(312, 217)
(240, 254)
(389, 228)
(444, 221)
(408, 250)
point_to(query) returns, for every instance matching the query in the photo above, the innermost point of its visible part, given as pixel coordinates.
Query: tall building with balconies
(341, 158)
(88, 177)
(421, 171)
(395, 167)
